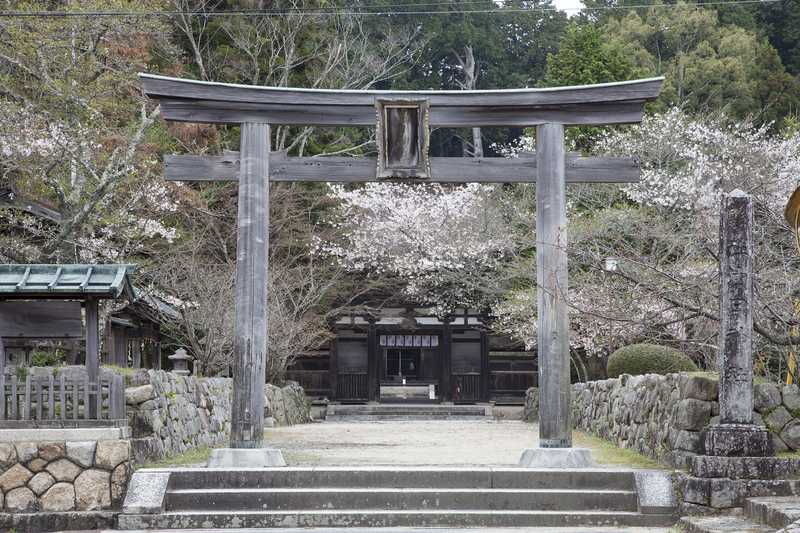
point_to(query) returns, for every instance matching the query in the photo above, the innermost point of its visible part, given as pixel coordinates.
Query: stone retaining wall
(64, 476)
(663, 417)
(170, 414)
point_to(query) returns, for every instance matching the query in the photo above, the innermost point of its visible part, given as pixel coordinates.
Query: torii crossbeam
(403, 120)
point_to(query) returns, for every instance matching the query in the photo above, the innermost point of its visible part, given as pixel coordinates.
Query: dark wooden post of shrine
(373, 379)
(555, 430)
(446, 394)
(250, 334)
(736, 435)
(92, 353)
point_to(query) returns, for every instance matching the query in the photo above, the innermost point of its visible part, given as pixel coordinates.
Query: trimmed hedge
(638, 359)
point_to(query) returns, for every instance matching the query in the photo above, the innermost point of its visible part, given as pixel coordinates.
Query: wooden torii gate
(403, 120)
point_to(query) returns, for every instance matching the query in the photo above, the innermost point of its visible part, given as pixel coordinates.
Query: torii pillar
(250, 331)
(555, 387)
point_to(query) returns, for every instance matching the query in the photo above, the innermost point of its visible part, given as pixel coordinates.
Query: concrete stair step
(774, 511)
(383, 518)
(398, 417)
(405, 411)
(402, 478)
(722, 524)
(285, 499)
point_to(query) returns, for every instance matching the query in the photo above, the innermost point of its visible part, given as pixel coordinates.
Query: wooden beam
(250, 333)
(199, 101)
(443, 169)
(156, 86)
(555, 429)
(224, 112)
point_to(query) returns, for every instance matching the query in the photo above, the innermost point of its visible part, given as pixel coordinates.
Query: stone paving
(430, 442)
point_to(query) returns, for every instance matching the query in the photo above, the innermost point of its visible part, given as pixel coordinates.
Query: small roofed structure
(135, 330)
(59, 302)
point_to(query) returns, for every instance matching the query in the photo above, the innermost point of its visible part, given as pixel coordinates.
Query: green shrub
(638, 359)
(41, 358)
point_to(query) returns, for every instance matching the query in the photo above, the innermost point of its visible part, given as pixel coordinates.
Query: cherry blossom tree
(643, 257)
(446, 244)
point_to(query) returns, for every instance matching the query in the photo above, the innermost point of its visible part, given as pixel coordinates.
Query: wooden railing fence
(51, 398)
(352, 386)
(467, 386)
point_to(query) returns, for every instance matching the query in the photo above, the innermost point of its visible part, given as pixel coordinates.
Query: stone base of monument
(738, 440)
(245, 458)
(556, 458)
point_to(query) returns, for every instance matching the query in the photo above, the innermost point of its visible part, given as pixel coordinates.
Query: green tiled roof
(65, 281)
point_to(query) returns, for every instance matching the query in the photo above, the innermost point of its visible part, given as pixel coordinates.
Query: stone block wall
(663, 417)
(170, 414)
(64, 476)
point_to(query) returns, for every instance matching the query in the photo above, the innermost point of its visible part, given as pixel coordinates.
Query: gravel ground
(433, 442)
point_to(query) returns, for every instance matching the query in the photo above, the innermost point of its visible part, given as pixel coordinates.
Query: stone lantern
(180, 362)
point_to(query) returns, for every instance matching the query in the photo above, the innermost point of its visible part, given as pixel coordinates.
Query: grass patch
(189, 458)
(303, 458)
(606, 453)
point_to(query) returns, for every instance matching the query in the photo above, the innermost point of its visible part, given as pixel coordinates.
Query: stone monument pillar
(736, 435)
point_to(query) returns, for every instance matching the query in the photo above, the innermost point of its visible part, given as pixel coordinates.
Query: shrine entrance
(403, 120)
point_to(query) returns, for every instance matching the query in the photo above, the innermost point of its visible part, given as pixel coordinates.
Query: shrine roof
(62, 281)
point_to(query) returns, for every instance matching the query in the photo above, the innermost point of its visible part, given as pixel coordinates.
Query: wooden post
(157, 365)
(446, 393)
(2, 357)
(137, 352)
(120, 347)
(372, 361)
(333, 369)
(250, 335)
(92, 352)
(484, 366)
(555, 428)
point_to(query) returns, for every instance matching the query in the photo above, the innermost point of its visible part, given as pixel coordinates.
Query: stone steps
(722, 524)
(379, 518)
(410, 477)
(774, 511)
(760, 515)
(406, 411)
(390, 499)
(296, 497)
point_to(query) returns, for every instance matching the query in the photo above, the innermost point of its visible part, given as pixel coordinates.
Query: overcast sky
(570, 5)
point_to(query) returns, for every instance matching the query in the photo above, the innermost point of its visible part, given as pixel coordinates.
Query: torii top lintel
(211, 102)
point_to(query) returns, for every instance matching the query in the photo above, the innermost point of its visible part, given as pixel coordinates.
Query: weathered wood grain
(41, 320)
(555, 429)
(161, 86)
(250, 334)
(443, 169)
(226, 112)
